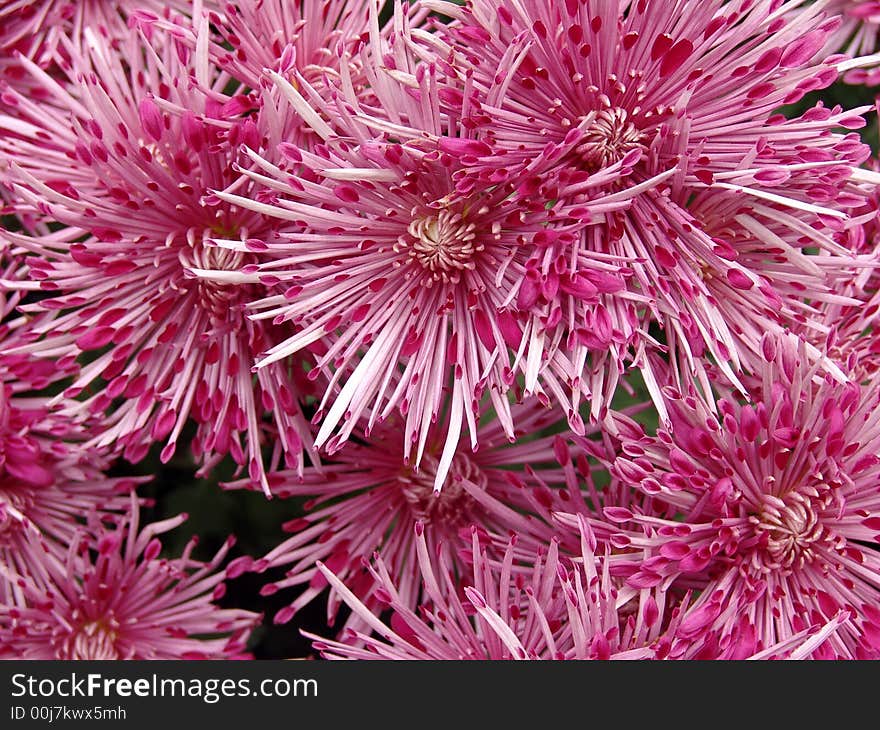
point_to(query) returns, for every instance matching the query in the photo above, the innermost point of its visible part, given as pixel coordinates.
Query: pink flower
(121, 600)
(672, 108)
(410, 281)
(777, 504)
(124, 156)
(553, 609)
(366, 499)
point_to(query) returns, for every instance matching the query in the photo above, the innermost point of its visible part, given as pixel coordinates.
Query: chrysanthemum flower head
(124, 156)
(665, 105)
(552, 609)
(118, 599)
(366, 498)
(775, 499)
(410, 280)
(35, 28)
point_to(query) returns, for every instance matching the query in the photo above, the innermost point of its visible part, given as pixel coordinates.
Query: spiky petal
(553, 609)
(576, 101)
(776, 501)
(124, 156)
(366, 499)
(121, 600)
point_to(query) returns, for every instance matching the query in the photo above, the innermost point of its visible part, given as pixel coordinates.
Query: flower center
(452, 507)
(443, 244)
(93, 640)
(608, 136)
(792, 530)
(217, 297)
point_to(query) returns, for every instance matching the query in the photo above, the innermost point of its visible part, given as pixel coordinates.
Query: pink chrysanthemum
(555, 609)
(673, 102)
(35, 28)
(123, 156)
(777, 504)
(409, 280)
(122, 601)
(366, 498)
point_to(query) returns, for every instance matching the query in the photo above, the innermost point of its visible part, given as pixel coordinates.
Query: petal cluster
(533, 329)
